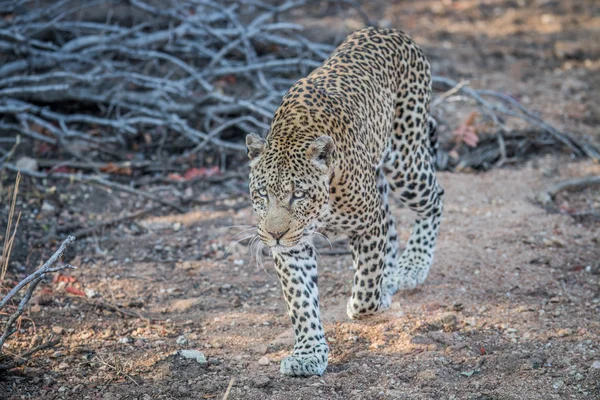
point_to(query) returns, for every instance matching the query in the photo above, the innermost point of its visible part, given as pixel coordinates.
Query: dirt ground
(511, 309)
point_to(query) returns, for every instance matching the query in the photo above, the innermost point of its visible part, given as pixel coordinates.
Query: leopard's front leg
(297, 271)
(369, 257)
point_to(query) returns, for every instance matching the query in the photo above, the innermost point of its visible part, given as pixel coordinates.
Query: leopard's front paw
(357, 310)
(314, 362)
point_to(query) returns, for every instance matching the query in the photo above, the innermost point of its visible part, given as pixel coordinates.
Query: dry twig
(32, 280)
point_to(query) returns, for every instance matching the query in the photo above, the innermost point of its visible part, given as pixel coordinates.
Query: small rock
(264, 361)
(194, 354)
(238, 262)
(558, 384)
(236, 302)
(596, 364)
(449, 321)
(125, 340)
(62, 389)
(43, 299)
(47, 207)
(90, 293)
(57, 354)
(564, 49)
(27, 163)
(35, 341)
(177, 226)
(573, 86)
(578, 377)
(63, 365)
(442, 337)
(261, 382)
(181, 340)
(136, 304)
(58, 330)
(553, 242)
(564, 332)
(180, 305)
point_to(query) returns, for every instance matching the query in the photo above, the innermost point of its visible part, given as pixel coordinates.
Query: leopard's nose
(278, 235)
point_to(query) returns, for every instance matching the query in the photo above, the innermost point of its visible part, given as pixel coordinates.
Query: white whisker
(316, 251)
(260, 249)
(244, 231)
(234, 243)
(324, 237)
(235, 226)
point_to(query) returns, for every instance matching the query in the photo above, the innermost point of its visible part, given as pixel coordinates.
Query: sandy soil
(511, 309)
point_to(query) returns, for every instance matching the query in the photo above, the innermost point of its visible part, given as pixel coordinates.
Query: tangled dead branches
(103, 75)
(155, 82)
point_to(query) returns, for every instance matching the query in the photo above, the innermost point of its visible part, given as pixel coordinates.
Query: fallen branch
(506, 106)
(33, 281)
(546, 196)
(111, 307)
(23, 357)
(44, 269)
(94, 180)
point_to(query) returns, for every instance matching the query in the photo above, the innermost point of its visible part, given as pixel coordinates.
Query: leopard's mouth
(286, 242)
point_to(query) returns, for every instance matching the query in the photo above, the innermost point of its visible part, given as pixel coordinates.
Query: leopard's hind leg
(409, 166)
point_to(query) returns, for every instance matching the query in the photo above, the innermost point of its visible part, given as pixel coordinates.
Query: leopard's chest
(334, 221)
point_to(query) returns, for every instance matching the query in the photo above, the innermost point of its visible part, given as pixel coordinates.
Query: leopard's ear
(321, 152)
(255, 145)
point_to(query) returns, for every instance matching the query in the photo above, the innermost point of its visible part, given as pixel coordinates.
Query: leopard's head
(289, 184)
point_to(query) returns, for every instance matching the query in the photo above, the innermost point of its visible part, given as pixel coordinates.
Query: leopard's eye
(262, 192)
(298, 194)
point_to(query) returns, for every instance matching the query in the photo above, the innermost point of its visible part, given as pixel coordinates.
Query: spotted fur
(342, 137)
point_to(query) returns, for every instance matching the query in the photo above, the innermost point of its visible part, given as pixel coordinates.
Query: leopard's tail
(433, 138)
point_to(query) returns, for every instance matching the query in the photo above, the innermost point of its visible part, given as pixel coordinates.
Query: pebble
(63, 365)
(177, 226)
(573, 86)
(124, 340)
(264, 361)
(261, 382)
(181, 340)
(564, 332)
(59, 330)
(194, 354)
(48, 207)
(596, 364)
(449, 320)
(90, 293)
(57, 354)
(558, 384)
(236, 302)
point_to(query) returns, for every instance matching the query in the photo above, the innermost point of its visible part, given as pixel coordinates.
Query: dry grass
(9, 237)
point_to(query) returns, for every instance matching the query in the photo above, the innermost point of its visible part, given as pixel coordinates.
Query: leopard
(355, 129)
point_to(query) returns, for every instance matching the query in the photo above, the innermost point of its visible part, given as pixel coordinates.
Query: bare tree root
(32, 280)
